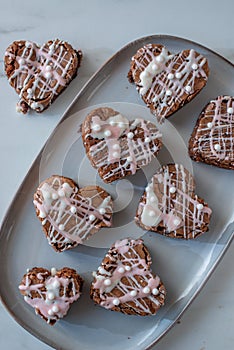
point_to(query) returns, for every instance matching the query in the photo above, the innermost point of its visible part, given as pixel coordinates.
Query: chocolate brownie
(170, 207)
(116, 146)
(51, 293)
(40, 73)
(124, 282)
(212, 140)
(70, 215)
(167, 81)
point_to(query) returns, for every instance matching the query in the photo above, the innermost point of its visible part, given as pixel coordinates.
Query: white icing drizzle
(174, 77)
(123, 147)
(47, 69)
(52, 300)
(179, 209)
(66, 224)
(214, 136)
(123, 270)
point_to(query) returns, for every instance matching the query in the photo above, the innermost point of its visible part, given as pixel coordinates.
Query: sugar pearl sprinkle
(96, 127)
(155, 291)
(147, 139)
(217, 147)
(50, 296)
(176, 221)
(91, 217)
(107, 133)
(133, 293)
(146, 290)
(200, 206)
(115, 154)
(55, 308)
(130, 135)
(230, 110)
(53, 271)
(172, 189)
(168, 92)
(121, 269)
(209, 125)
(194, 66)
(73, 210)
(170, 76)
(116, 301)
(151, 213)
(178, 75)
(188, 88)
(102, 211)
(116, 146)
(128, 268)
(61, 227)
(107, 282)
(129, 159)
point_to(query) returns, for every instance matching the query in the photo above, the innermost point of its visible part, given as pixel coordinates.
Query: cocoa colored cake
(169, 205)
(124, 282)
(40, 73)
(70, 215)
(51, 293)
(117, 147)
(167, 81)
(212, 140)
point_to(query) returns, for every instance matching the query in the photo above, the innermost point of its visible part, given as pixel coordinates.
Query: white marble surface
(100, 28)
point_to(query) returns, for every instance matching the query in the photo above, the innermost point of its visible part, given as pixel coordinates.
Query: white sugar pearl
(50, 312)
(73, 210)
(116, 302)
(188, 88)
(26, 298)
(29, 91)
(121, 124)
(172, 189)
(152, 199)
(21, 61)
(168, 92)
(147, 139)
(151, 213)
(50, 296)
(66, 186)
(92, 217)
(102, 211)
(53, 271)
(27, 44)
(56, 284)
(34, 105)
(128, 268)
(116, 146)
(107, 282)
(178, 75)
(194, 66)
(55, 308)
(209, 125)
(155, 291)
(154, 67)
(230, 110)
(112, 123)
(116, 155)
(61, 193)
(54, 195)
(96, 127)
(159, 58)
(200, 206)
(48, 75)
(101, 270)
(217, 147)
(176, 222)
(129, 159)
(130, 135)
(170, 76)
(43, 222)
(61, 227)
(42, 214)
(48, 68)
(146, 290)
(133, 293)
(107, 133)
(121, 269)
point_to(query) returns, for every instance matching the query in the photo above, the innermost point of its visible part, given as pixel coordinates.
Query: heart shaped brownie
(169, 205)
(40, 74)
(124, 282)
(51, 293)
(212, 140)
(167, 81)
(117, 147)
(70, 215)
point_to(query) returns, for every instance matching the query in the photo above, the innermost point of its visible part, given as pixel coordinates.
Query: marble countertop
(100, 28)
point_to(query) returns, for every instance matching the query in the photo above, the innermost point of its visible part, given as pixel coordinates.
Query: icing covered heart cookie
(212, 140)
(40, 73)
(124, 282)
(116, 146)
(70, 215)
(167, 81)
(51, 293)
(170, 207)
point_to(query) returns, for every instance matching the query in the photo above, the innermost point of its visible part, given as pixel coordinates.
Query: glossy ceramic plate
(184, 266)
